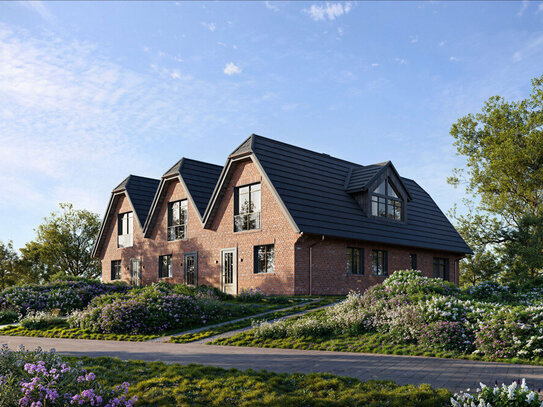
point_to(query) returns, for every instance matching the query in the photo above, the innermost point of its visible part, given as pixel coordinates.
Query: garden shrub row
(435, 315)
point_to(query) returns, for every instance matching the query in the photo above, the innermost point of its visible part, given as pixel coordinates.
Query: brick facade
(291, 276)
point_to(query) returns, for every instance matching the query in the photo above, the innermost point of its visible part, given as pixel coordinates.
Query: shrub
(516, 394)
(446, 336)
(412, 282)
(37, 378)
(490, 291)
(65, 296)
(250, 295)
(8, 317)
(40, 320)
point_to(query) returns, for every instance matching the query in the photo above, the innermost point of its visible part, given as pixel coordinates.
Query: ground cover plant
(412, 314)
(39, 379)
(64, 296)
(207, 333)
(516, 394)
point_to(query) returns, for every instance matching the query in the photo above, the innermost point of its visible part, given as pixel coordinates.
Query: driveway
(449, 373)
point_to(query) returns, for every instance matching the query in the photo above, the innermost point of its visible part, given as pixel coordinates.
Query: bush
(40, 320)
(250, 295)
(517, 394)
(8, 317)
(446, 336)
(65, 296)
(490, 291)
(37, 378)
(153, 309)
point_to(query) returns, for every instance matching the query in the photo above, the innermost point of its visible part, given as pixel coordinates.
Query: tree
(503, 147)
(8, 265)
(64, 244)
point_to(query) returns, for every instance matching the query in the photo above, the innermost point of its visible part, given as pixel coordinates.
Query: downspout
(311, 265)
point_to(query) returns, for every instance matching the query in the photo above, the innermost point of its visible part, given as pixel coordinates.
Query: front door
(135, 271)
(229, 271)
(190, 268)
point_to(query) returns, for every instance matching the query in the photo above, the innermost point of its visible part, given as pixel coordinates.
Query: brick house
(276, 217)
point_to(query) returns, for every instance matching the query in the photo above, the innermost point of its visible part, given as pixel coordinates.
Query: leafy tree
(8, 265)
(64, 244)
(503, 147)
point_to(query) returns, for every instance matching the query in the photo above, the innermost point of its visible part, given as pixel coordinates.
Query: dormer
(379, 191)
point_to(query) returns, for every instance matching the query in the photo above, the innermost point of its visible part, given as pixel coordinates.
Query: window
(380, 262)
(385, 202)
(264, 259)
(355, 260)
(115, 269)
(165, 266)
(441, 268)
(413, 261)
(125, 230)
(247, 208)
(177, 220)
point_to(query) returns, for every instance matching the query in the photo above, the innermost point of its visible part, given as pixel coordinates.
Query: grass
(196, 336)
(370, 342)
(161, 384)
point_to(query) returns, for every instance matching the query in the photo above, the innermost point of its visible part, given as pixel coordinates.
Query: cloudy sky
(92, 92)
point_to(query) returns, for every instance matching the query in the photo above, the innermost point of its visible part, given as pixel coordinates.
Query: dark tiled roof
(361, 177)
(141, 191)
(312, 187)
(200, 179)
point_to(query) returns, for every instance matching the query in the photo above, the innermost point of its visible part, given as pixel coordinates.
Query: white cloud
(210, 26)
(271, 6)
(175, 74)
(523, 8)
(442, 43)
(401, 61)
(453, 59)
(375, 64)
(40, 8)
(231, 69)
(414, 39)
(540, 8)
(329, 11)
(531, 48)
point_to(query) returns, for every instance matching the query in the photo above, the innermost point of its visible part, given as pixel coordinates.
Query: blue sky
(92, 92)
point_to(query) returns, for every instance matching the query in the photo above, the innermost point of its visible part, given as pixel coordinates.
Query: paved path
(449, 373)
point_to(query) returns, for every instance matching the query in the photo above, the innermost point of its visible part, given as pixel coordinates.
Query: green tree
(64, 244)
(8, 265)
(503, 147)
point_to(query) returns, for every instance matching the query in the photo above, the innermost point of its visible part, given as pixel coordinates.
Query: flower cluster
(64, 296)
(516, 394)
(37, 378)
(250, 295)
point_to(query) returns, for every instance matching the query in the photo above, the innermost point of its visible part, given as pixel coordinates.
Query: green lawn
(160, 384)
(191, 337)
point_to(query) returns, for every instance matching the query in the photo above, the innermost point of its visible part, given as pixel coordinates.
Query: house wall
(275, 229)
(329, 263)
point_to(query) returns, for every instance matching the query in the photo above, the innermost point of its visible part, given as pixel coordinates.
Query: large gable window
(247, 208)
(385, 202)
(125, 230)
(177, 220)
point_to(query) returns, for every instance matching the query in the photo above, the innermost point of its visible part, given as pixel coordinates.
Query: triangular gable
(377, 174)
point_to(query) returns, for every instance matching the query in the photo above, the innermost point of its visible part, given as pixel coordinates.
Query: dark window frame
(161, 265)
(249, 219)
(269, 249)
(379, 260)
(116, 270)
(441, 268)
(352, 267)
(413, 261)
(177, 231)
(386, 200)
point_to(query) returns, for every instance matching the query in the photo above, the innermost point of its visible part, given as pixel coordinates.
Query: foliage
(516, 394)
(9, 260)
(40, 320)
(8, 317)
(415, 314)
(37, 378)
(157, 383)
(250, 295)
(64, 296)
(503, 147)
(64, 244)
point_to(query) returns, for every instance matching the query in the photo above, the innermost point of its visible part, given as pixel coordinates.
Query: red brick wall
(275, 229)
(329, 262)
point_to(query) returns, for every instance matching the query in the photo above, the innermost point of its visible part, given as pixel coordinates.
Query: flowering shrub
(65, 296)
(516, 394)
(8, 317)
(37, 378)
(250, 295)
(40, 319)
(446, 336)
(412, 282)
(150, 310)
(489, 291)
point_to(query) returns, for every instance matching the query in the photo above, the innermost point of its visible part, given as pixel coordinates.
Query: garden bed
(413, 315)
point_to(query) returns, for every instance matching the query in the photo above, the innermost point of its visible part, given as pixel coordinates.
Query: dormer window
(385, 202)
(247, 208)
(125, 230)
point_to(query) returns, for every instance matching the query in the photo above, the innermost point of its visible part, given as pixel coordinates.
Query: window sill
(264, 274)
(178, 240)
(248, 231)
